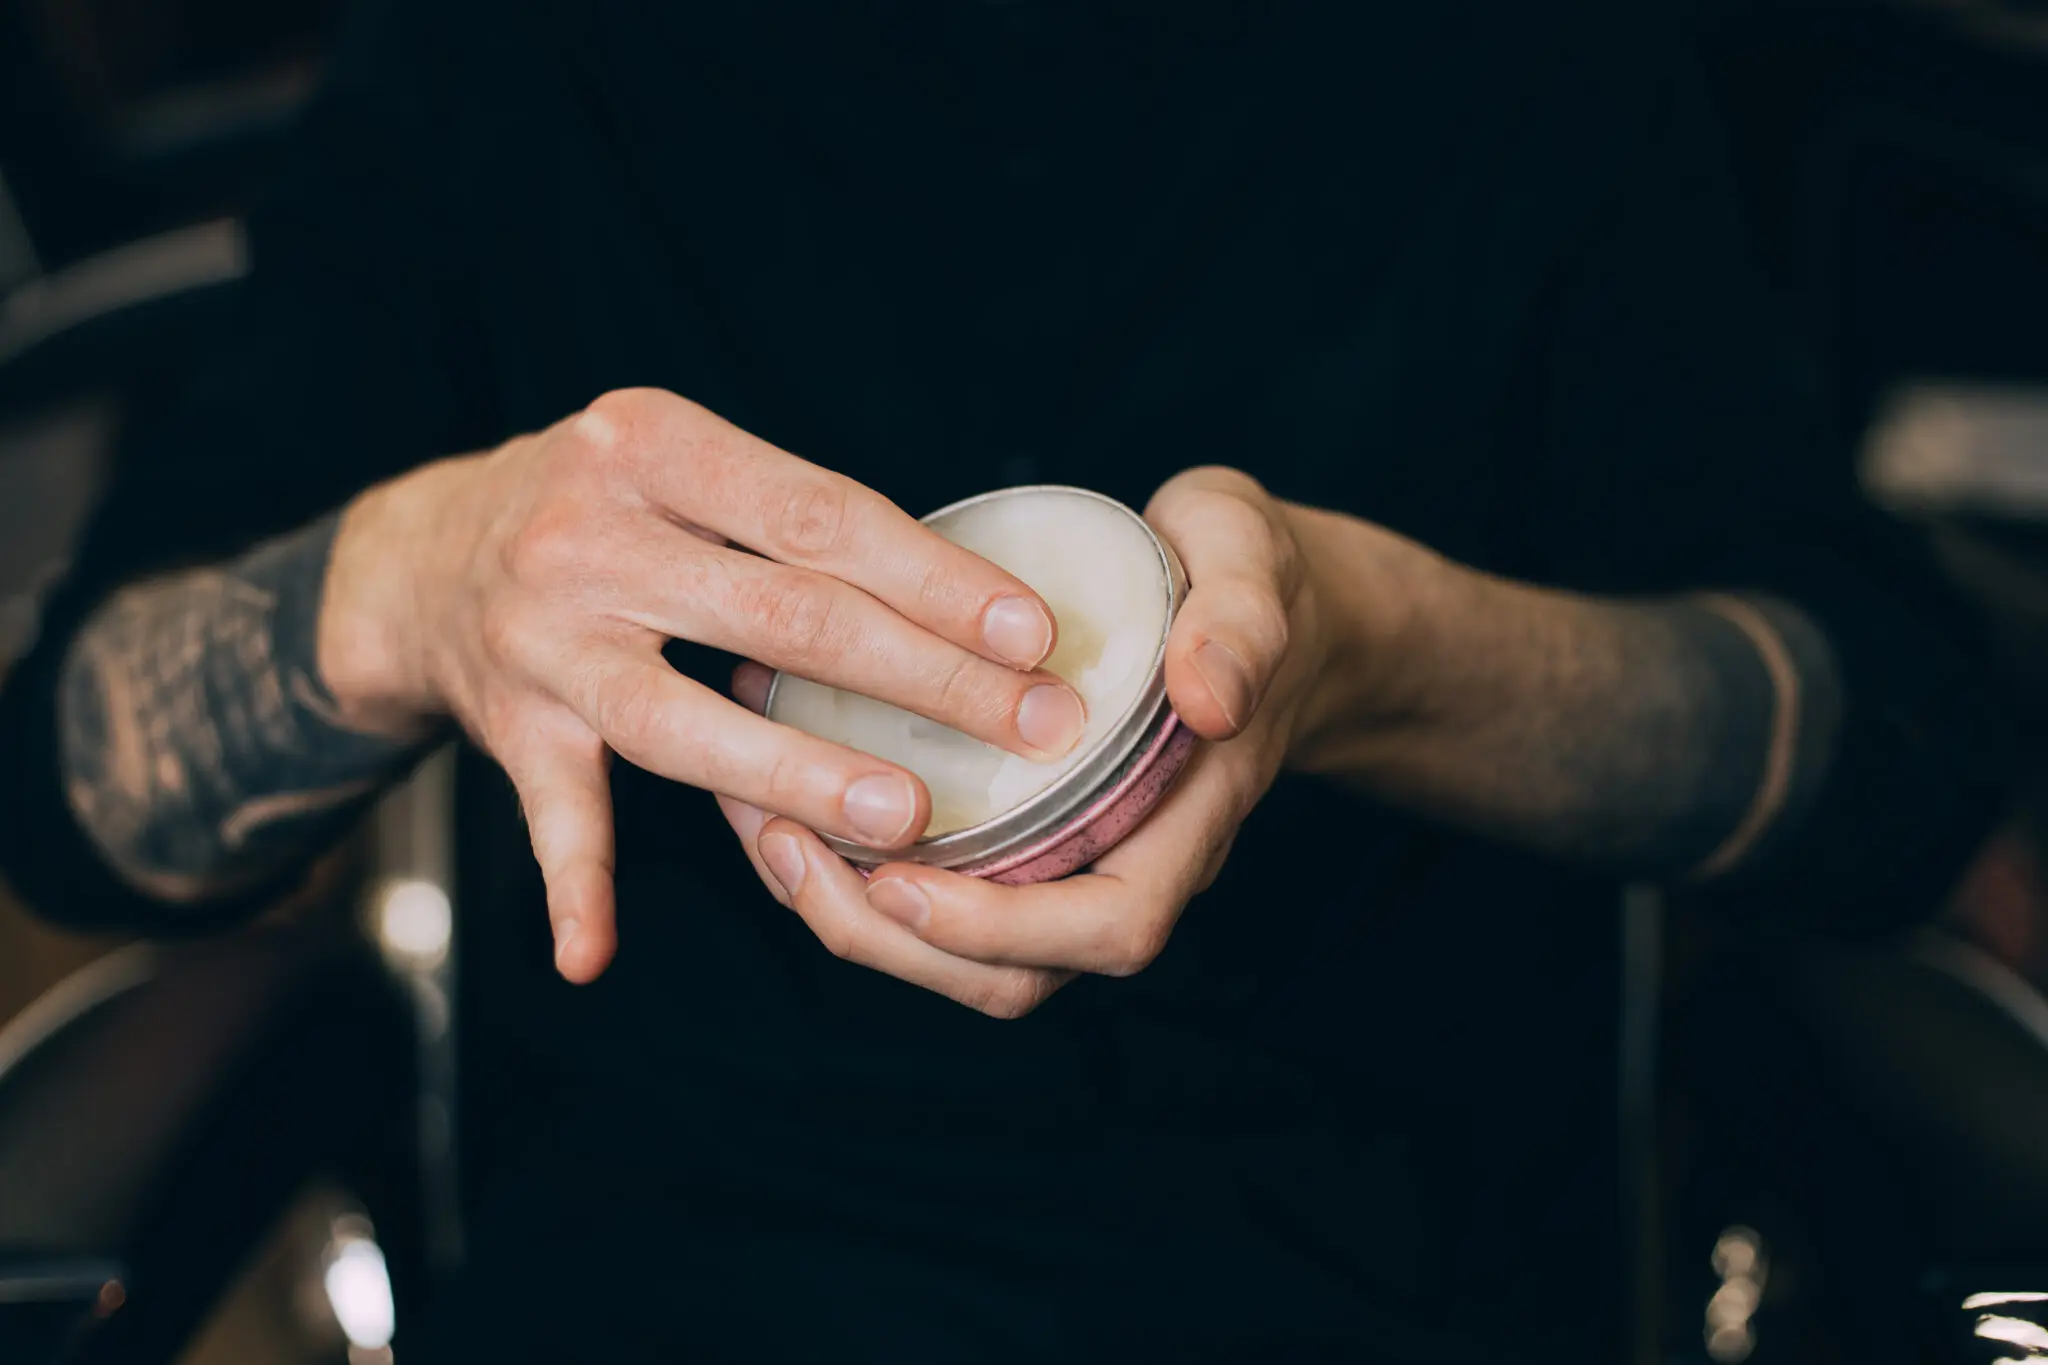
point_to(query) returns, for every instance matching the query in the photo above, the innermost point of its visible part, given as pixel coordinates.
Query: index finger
(787, 508)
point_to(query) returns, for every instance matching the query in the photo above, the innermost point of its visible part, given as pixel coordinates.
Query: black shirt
(1467, 269)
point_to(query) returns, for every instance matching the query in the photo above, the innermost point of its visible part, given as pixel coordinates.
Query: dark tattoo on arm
(1716, 744)
(200, 749)
(1675, 740)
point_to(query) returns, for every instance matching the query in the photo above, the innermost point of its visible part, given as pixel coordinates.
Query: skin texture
(526, 594)
(201, 748)
(1631, 735)
(219, 724)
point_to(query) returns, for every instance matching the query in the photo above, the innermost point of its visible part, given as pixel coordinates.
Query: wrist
(373, 634)
(1381, 603)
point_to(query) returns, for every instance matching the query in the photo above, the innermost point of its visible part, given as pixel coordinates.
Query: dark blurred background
(1833, 1153)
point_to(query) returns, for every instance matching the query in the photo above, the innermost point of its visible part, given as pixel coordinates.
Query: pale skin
(1315, 642)
(581, 551)
(526, 592)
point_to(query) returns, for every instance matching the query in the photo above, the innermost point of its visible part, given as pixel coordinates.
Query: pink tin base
(1099, 826)
(1102, 824)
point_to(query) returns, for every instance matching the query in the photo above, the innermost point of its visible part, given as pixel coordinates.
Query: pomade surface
(1100, 573)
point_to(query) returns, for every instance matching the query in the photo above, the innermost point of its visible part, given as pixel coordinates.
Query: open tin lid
(1097, 761)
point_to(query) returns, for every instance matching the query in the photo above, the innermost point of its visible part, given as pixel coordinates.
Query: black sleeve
(1683, 446)
(335, 371)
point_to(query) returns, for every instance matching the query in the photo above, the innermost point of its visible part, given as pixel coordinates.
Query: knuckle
(1213, 865)
(502, 726)
(783, 783)
(1247, 776)
(1260, 536)
(954, 693)
(1137, 946)
(1163, 507)
(1286, 558)
(1266, 620)
(623, 409)
(840, 940)
(549, 546)
(1215, 853)
(1223, 478)
(1191, 486)
(717, 771)
(707, 447)
(813, 520)
(1009, 995)
(801, 623)
(596, 432)
(502, 630)
(580, 745)
(627, 430)
(938, 587)
(630, 707)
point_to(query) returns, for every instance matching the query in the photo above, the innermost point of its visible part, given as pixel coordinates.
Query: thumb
(1232, 633)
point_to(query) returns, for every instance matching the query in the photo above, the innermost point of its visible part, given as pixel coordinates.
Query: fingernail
(1050, 718)
(1017, 631)
(904, 902)
(785, 861)
(565, 934)
(1228, 679)
(881, 808)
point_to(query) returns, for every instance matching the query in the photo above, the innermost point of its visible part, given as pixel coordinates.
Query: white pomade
(1099, 570)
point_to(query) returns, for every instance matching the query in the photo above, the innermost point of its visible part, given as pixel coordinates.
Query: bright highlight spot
(2014, 1331)
(415, 922)
(359, 1289)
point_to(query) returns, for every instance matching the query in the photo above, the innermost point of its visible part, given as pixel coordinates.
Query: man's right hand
(528, 592)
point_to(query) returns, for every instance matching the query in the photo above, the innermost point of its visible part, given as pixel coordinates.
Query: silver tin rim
(1074, 789)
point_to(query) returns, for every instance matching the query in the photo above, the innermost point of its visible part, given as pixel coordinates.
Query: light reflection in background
(1741, 1262)
(409, 914)
(2030, 1337)
(414, 923)
(2015, 1332)
(357, 1285)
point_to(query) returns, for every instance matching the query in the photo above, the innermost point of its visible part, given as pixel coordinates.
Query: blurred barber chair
(160, 1111)
(165, 1110)
(1862, 1128)
(1878, 1124)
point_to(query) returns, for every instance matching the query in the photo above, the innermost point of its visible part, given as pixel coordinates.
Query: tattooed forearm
(1670, 739)
(1675, 739)
(200, 749)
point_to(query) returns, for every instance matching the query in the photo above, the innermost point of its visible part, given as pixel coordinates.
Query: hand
(528, 592)
(1242, 661)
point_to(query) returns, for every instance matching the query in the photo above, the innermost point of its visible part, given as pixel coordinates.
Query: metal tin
(1092, 805)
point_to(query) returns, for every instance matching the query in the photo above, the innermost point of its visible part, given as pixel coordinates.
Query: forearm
(199, 747)
(1658, 737)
